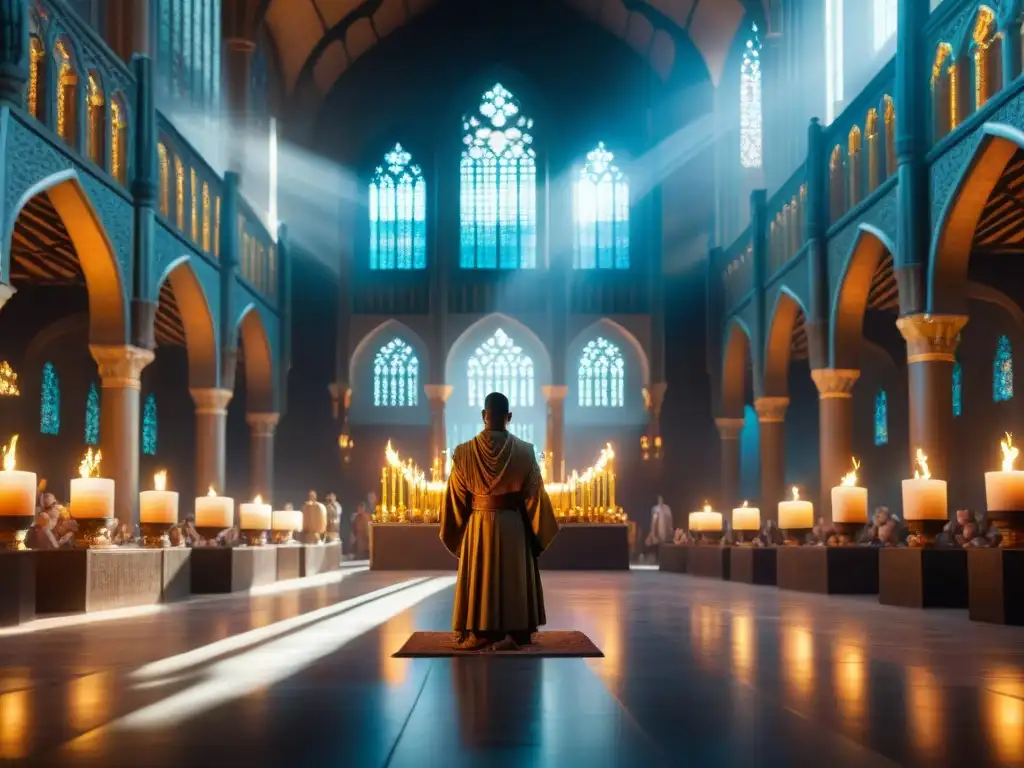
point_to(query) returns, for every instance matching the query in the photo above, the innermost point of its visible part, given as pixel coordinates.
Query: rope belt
(500, 501)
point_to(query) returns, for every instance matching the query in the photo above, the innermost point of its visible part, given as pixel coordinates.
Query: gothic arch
(735, 362)
(259, 362)
(197, 318)
(104, 282)
(608, 327)
(954, 235)
(637, 376)
(480, 330)
(361, 377)
(850, 299)
(779, 343)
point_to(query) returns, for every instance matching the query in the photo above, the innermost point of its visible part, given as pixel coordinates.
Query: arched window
(958, 388)
(149, 426)
(179, 193)
(750, 102)
(92, 415)
(67, 96)
(49, 404)
(988, 64)
(889, 116)
(36, 94)
(602, 375)
(500, 365)
(498, 188)
(96, 123)
(884, 17)
(853, 166)
(944, 91)
(165, 179)
(119, 141)
(396, 375)
(601, 238)
(398, 213)
(881, 418)
(1002, 371)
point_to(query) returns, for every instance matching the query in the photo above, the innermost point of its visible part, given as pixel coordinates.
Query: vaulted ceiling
(318, 40)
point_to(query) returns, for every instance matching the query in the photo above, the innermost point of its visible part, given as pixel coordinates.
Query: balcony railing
(257, 252)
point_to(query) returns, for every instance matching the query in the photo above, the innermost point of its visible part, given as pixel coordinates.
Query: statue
(314, 520)
(885, 530)
(770, 536)
(969, 529)
(333, 517)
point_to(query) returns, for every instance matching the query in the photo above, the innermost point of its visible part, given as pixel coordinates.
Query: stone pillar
(437, 395)
(771, 417)
(211, 434)
(120, 368)
(261, 454)
(555, 397)
(729, 431)
(835, 425)
(931, 345)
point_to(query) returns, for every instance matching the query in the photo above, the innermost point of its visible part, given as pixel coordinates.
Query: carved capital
(835, 382)
(555, 393)
(771, 410)
(262, 424)
(341, 397)
(931, 337)
(729, 429)
(438, 393)
(211, 402)
(120, 365)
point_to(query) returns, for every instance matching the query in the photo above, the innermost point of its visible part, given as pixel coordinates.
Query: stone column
(835, 425)
(555, 397)
(261, 454)
(729, 431)
(931, 345)
(120, 368)
(437, 395)
(211, 433)
(771, 417)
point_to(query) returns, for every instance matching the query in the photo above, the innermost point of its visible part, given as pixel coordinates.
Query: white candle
(92, 498)
(711, 522)
(213, 511)
(254, 515)
(158, 507)
(286, 520)
(924, 499)
(849, 504)
(746, 519)
(695, 521)
(1004, 491)
(796, 513)
(17, 488)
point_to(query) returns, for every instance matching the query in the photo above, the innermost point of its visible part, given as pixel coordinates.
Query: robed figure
(497, 519)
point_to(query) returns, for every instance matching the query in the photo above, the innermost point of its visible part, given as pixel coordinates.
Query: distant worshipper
(497, 519)
(333, 517)
(661, 528)
(360, 539)
(314, 519)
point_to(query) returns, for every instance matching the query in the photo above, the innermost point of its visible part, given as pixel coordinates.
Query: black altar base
(177, 574)
(289, 562)
(672, 558)
(708, 560)
(996, 585)
(753, 565)
(577, 547)
(18, 590)
(315, 559)
(913, 577)
(217, 570)
(76, 580)
(828, 570)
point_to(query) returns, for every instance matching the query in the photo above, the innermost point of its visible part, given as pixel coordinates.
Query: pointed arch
(850, 300)
(372, 388)
(96, 120)
(987, 49)
(854, 170)
(49, 401)
(779, 343)
(591, 360)
(197, 319)
(37, 94)
(485, 327)
(736, 361)
(836, 184)
(119, 139)
(889, 117)
(259, 362)
(67, 91)
(944, 92)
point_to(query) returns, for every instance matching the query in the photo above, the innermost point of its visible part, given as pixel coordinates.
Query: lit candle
(17, 488)
(159, 505)
(92, 496)
(384, 488)
(1004, 491)
(286, 520)
(849, 502)
(213, 511)
(710, 521)
(924, 498)
(796, 514)
(695, 522)
(746, 518)
(254, 515)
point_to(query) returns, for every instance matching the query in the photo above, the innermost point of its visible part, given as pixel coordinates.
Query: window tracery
(881, 418)
(750, 102)
(602, 375)
(396, 374)
(601, 234)
(398, 213)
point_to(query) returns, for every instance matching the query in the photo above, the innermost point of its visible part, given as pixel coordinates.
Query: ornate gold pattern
(835, 382)
(120, 366)
(212, 401)
(931, 337)
(771, 410)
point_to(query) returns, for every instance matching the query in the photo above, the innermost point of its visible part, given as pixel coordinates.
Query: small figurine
(884, 530)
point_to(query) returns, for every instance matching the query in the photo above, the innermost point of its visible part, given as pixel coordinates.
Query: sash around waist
(498, 501)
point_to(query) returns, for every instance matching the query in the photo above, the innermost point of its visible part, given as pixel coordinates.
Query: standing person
(314, 520)
(333, 517)
(661, 528)
(360, 540)
(497, 519)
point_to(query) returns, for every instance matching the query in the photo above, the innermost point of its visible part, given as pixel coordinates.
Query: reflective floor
(696, 672)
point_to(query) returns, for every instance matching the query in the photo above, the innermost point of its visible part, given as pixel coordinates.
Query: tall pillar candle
(213, 511)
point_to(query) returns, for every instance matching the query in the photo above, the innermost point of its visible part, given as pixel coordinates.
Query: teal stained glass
(149, 426)
(958, 389)
(601, 234)
(92, 416)
(1002, 371)
(49, 406)
(881, 418)
(398, 213)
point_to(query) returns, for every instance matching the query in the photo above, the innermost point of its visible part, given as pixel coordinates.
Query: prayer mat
(545, 645)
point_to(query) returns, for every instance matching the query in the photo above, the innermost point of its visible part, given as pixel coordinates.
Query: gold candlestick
(384, 488)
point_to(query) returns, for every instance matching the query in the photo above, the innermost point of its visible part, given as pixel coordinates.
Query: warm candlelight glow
(212, 493)
(9, 460)
(255, 515)
(90, 466)
(796, 513)
(160, 480)
(796, 493)
(850, 478)
(922, 472)
(923, 497)
(1010, 452)
(213, 511)
(92, 496)
(17, 488)
(746, 518)
(1004, 491)
(159, 506)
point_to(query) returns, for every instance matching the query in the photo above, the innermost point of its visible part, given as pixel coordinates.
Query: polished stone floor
(696, 673)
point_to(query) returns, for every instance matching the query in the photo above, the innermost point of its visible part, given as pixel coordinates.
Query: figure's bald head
(496, 412)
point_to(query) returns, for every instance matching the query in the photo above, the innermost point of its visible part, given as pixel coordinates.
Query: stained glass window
(958, 389)
(92, 415)
(49, 408)
(498, 187)
(750, 102)
(602, 375)
(500, 365)
(1002, 371)
(881, 418)
(396, 375)
(398, 214)
(601, 236)
(149, 426)
(884, 14)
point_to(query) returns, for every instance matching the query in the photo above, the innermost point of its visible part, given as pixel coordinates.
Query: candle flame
(922, 472)
(850, 478)
(9, 451)
(392, 456)
(212, 492)
(707, 507)
(160, 480)
(258, 501)
(796, 493)
(90, 466)
(745, 503)
(1010, 452)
